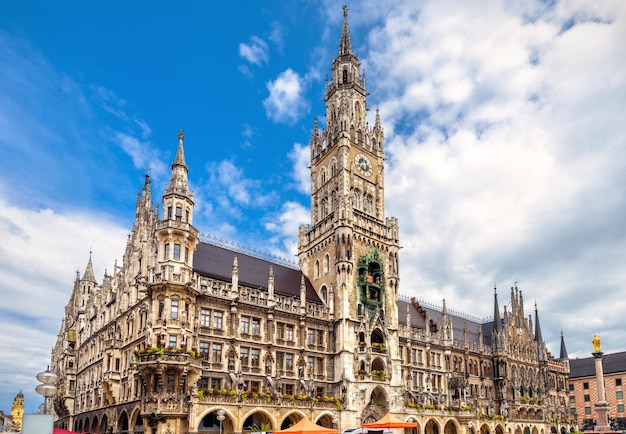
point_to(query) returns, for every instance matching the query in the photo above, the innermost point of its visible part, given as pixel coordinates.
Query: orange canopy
(388, 421)
(305, 426)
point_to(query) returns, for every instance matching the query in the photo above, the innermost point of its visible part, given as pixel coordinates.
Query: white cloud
(505, 133)
(300, 157)
(256, 52)
(286, 103)
(284, 224)
(41, 249)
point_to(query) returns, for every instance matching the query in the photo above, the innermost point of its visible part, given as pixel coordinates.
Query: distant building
(189, 335)
(17, 411)
(584, 388)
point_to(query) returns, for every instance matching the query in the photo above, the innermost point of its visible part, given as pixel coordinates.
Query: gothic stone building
(192, 336)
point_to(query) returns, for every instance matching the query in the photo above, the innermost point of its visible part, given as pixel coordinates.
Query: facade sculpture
(190, 335)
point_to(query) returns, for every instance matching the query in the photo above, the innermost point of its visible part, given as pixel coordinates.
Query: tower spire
(89, 274)
(538, 336)
(345, 44)
(563, 354)
(179, 180)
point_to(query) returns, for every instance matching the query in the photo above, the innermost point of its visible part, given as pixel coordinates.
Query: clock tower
(349, 251)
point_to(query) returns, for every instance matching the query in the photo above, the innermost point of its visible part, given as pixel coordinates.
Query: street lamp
(220, 417)
(48, 387)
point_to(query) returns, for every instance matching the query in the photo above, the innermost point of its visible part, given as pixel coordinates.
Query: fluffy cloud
(503, 128)
(256, 52)
(286, 103)
(36, 269)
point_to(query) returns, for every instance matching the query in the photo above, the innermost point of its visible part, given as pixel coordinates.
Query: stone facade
(192, 336)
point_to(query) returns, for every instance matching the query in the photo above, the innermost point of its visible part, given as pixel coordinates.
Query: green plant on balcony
(200, 395)
(338, 404)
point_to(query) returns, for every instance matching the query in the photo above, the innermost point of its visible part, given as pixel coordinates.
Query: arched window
(323, 177)
(326, 263)
(324, 208)
(324, 294)
(316, 269)
(357, 113)
(368, 203)
(357, 199)
(333, 202)
(333, 168)
(345, 75)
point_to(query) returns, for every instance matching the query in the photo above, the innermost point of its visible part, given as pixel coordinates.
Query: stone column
(601, 407)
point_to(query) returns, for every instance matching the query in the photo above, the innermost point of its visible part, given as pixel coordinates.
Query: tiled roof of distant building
(611, 364)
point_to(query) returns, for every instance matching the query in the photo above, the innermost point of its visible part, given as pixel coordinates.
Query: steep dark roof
(416, 318)
(611, 364)
(217, 262)
(458, 322)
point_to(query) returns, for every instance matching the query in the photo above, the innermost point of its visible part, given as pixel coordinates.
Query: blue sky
(503, 123)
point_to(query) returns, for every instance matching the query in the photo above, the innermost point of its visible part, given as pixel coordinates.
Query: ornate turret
(177, 238)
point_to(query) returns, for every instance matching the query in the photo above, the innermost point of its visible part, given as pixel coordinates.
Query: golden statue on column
(596, 343)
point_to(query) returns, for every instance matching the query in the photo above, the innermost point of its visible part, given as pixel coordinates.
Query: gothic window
(357, 112)
(174, 311)
(324, 294)
(368, 203)
(333, 168)
(172, 342)
(177, 252)
(169, 213)
(316, 269)
(323, 177)
(324, 208)
(333, 202)
(357, 199)
(289, 332)
(204, 349)
(244, 356)
(216, 355)
(326, 263)
(205, 317)
(217, 320)
(179, 214)
(256, 326)
(345, 75)
(170, 382)
(166, 251)
(255, 355)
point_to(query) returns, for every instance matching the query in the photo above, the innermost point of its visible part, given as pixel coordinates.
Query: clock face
(363, 164)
